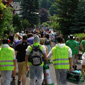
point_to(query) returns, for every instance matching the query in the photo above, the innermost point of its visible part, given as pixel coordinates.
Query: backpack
(35, 56)
(47, 42)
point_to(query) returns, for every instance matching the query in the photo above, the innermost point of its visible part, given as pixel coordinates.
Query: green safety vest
(30, 48)
(6, 59)
(60, 57)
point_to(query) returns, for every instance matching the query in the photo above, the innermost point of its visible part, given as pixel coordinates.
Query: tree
(6, 23)
(44, 14)
(54, 22)
(78, 24)
(44, 4)
(17, 23)
(53, 9)
(30, 11)
(65, 10)
(26, 24)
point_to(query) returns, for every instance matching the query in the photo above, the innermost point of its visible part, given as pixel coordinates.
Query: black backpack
(35, 56)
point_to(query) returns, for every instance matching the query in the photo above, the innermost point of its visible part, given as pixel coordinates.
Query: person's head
(71, 37)
(36, 39)
(11, 37)
(5, 41)
(24, 37)
(29, 35)
(42, 41)
(59, 39)
(47, 36)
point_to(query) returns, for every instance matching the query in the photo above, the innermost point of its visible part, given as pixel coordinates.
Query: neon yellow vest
(6, 59)
(60, 57)
(30, 48)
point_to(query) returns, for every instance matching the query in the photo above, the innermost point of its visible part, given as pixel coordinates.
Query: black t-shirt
(21, 51)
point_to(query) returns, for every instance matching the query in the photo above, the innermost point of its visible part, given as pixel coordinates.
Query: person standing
(62, 60)
(73, 45)
(7, 62)
(20, 51)
(83, 44)
(35, 53)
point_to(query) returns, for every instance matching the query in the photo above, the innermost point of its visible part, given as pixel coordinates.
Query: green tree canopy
(30, 11)
(78, 24)
(65, 10)
(6, 23)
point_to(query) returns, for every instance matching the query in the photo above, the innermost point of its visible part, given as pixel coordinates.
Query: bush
(80, 35)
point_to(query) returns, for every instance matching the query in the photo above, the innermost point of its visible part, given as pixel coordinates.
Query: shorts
(22, 68)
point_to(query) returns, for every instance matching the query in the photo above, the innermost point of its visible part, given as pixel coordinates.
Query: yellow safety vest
(60, 57)
(6, 59)
(30, 48)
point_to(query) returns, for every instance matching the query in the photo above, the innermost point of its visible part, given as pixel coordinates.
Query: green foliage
(30, 11)
(6, 22)
(17, 23)
(54, 22)
(25, 24)
(46, 3)
(80, 35)
(65, 10)
(78, 24)
(2, 6)
(53, 9)
(46, 24)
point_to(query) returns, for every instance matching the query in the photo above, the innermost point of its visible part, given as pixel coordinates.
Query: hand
(70, 69)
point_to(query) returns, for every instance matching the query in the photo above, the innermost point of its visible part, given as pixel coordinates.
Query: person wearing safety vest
(36, 72)
(62, 60)
(7, 62)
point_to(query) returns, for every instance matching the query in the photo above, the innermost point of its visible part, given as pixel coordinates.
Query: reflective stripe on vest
(6, 59)
(60, 57)
(41, 47)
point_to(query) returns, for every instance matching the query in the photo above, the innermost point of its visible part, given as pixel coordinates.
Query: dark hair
(47, 36)
(29, 35)
(11, 38)
(59, 39)
(24, 37)
(5, 41)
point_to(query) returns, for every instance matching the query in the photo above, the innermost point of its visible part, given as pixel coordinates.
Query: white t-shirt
(28, 51)
(83, 61)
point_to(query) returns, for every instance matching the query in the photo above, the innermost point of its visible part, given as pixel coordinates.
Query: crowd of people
(33, 49)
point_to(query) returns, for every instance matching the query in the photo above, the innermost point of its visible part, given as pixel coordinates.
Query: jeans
(61, 75)
(6, 77)
(36, 73)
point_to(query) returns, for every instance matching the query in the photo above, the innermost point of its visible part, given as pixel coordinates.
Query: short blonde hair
(42, 41)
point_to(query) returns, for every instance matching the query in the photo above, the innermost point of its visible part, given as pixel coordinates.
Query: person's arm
(70, 59)
(26, 57)
(18, 35)
(26, 61)
(70, 63)
(50, 44)
(14, 60)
